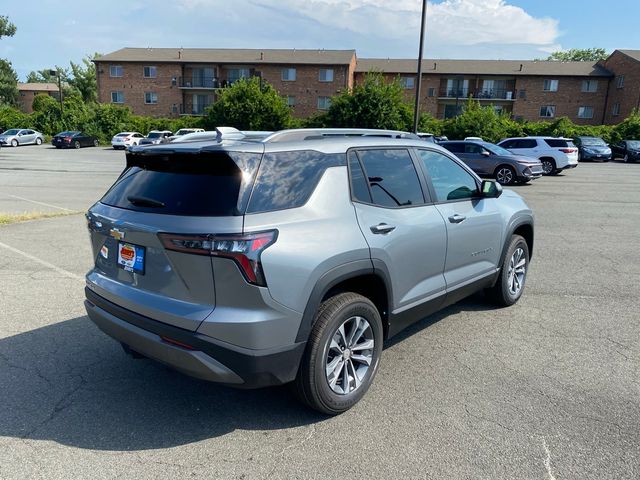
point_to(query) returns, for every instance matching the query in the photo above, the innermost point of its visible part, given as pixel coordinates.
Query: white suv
(555, 153)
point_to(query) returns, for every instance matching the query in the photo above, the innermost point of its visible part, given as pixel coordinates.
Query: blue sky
(51, 32)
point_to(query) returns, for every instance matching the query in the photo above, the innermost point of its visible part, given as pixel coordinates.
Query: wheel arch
(366, 281)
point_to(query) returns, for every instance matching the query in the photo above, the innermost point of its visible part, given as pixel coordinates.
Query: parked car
(184, 131)
(236, 274)
(628, 150)
(477, 139)
(123, 140)
(489, 160)
(74, 139)
(556, 154)
(428, 137)
(592, 148)
(21, 136)
(154, 137)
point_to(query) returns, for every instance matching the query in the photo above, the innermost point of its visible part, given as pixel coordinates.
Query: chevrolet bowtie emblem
(117, 234)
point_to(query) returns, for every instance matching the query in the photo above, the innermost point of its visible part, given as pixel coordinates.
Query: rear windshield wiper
(145, 202)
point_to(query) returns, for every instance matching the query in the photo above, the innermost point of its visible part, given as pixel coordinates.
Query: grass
(8, 218)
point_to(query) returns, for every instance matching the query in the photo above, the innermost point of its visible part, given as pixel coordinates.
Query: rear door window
(204, 184)
(392, 178)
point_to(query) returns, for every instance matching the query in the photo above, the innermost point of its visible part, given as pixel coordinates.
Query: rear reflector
(245, 250)
(176, 343)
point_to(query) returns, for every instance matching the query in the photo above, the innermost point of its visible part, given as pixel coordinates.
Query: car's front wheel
(505, 175)
(513, 274)
(14, 143)
(342, 354)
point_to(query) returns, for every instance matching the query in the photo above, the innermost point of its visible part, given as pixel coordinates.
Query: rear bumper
(208, 359)
(567, 167)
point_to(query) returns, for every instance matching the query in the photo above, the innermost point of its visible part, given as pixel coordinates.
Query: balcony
(482, 94)
(201, 82)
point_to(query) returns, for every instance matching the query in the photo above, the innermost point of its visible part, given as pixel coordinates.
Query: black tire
(76, 144)
(14, 143)
(626, 158)
(501, 293)
(548, 166)
(505, 175)
(38, 141)
(311, 384)
(96, 143)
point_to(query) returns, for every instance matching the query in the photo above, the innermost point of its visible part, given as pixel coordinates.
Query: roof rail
(301, 134)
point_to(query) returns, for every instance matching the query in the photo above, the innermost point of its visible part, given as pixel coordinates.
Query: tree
(43, 76)
(83, 78)
(7, 29)
(373, 104)
(8, 83)
(249, 105)
(579, 55)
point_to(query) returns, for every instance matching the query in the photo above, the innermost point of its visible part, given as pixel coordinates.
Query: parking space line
(40, 203)
(61, 271)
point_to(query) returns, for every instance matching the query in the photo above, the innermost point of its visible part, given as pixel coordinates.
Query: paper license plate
(131, 257)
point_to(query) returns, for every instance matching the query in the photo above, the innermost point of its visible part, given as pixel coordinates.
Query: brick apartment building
(28, 91)
(172, 82)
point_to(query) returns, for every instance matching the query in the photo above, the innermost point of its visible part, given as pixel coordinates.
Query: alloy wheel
(517, 271)
(547, 167)
(349, 355)
(504, 176)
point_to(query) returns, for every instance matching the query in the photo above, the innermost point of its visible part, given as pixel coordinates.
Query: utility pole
(416, 111)
(57, 73)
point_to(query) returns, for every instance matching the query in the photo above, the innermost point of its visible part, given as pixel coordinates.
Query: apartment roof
(38, 87)
(635, 54)
(484, 67)
(230, 55)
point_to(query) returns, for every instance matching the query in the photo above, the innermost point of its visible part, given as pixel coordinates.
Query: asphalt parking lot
(548, 388)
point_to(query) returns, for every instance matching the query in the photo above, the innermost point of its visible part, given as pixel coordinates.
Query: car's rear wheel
(14, 143)
(626, 158)
(548, 166)
(76, 144)
(342, 354)
(96, 143)
(505, 175)
(38, 141)
(513, 274)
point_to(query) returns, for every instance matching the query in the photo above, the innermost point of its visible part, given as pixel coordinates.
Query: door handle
(457, 218)
(382, 229)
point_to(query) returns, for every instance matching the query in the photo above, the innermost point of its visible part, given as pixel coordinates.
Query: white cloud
(449, 22)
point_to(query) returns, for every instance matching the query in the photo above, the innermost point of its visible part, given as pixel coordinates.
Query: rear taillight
(568, 150)
(245, 250)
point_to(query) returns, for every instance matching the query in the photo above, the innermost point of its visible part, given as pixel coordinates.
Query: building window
(324, 103)
(620, 81)
(548, 111)
(150, 97)
(550, 85)
(408, 82)
(589, 85)
(291, 100)
(150, 72)
(522, 93)
(288, 74)
(616, 110)
(326, 75)
(431, 92)
(115, 71)
(235, 74)
(585, 112)
(117, 97)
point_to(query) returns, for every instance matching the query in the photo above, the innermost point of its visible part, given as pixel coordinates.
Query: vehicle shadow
(71, 384)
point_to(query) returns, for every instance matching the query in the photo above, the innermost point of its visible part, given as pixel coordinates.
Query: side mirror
(485, 153)
(490, 189)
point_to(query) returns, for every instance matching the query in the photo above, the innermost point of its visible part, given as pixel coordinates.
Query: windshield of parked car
(634, 144)
(13, 131)
(154, 135)
(496, 150)
(593, 141)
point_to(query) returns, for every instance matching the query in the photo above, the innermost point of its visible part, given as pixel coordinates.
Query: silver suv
(292, 258)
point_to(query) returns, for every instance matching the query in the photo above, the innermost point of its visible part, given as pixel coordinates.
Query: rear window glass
(558, 143)
(287, 179)
(204, 184)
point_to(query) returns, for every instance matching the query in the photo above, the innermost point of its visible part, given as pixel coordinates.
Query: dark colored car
(74, 139)
(628, 150)
(489, 160)
(592, 148)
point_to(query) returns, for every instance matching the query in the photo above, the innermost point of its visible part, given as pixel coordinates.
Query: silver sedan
(21, 136)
